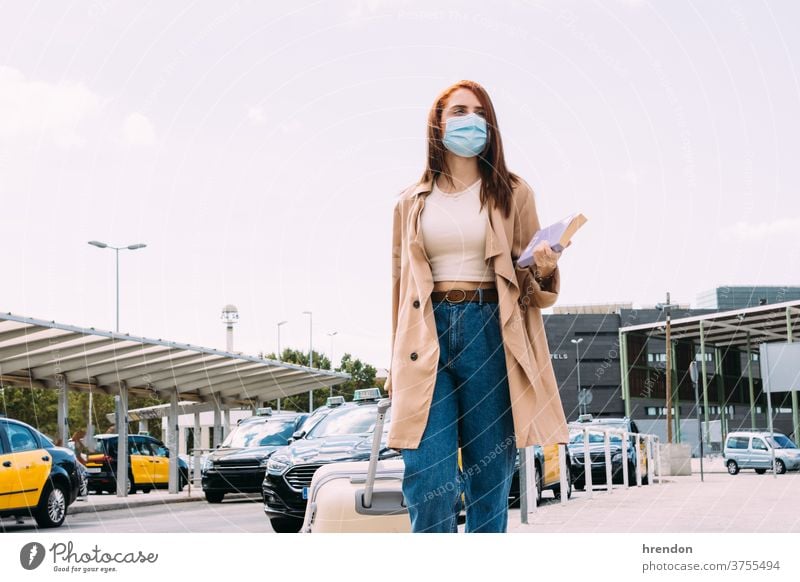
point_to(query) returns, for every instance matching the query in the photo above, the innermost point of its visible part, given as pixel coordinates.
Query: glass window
(350, 420)
(21, 438)
(780, 441)
(159, 449)
(758, 444)
(595, 437)
(261, 434)
(739, 442)
(138, 446)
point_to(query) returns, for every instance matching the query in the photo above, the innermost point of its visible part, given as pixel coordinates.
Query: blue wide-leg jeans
(471, 410)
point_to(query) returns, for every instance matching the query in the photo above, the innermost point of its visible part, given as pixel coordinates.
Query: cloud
(138, 130)
(747, 231)
(36, 109)
(256, 115)
(631, 177)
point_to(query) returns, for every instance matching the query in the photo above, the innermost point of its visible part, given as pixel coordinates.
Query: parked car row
(597, 456)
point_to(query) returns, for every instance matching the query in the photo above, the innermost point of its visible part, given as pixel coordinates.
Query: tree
(362, 376)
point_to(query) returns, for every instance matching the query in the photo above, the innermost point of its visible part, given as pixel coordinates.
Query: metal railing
(648, 446)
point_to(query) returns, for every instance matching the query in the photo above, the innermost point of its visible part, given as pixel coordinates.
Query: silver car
(753, 450)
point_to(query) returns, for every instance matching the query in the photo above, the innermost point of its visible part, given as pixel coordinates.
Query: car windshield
(350, 420)
(260, 434)
(780, 441)
(595, 437)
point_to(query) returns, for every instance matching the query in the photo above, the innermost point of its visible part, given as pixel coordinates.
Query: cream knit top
(453, 229)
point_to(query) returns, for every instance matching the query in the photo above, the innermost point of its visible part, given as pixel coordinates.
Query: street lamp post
(102, 245)
(578, 368)
(330, 335)
(280, 323)
(666, 308)
(310, 357)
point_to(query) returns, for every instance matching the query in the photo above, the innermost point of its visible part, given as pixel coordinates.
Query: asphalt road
(244, 515)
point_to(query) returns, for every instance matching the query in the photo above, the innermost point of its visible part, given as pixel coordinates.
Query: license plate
(305, 492)
(92, 469)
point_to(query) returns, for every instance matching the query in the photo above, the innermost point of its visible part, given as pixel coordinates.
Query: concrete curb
(88, 507)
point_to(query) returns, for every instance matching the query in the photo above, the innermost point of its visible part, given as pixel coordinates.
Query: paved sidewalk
(106, 502)
(746, 502)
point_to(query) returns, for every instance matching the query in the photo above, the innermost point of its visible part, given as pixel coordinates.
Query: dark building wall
(738, 297)
(600, 370)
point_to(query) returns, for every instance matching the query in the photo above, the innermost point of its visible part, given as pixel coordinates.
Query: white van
(753, 450)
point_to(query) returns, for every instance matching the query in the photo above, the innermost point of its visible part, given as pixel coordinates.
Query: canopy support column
(122, 441)
(172, 423)
(63, 409)
(623, 371)
(795, 417)
(705, 383)
(753, 424)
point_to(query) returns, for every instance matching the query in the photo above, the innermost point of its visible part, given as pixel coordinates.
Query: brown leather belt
(465, 295)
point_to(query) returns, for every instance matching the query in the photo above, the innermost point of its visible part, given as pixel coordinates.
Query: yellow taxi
(37, 478)
(148, 465)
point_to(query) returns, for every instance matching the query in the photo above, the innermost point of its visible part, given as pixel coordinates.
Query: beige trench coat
(536, 404)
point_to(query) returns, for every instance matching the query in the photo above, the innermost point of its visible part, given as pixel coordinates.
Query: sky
(257, 148)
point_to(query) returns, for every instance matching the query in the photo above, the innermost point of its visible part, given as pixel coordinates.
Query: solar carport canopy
(41, 353)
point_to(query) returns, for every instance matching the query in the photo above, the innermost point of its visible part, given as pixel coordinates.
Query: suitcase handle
(383, 406)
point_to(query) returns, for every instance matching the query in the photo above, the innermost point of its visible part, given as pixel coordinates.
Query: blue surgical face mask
(465, 135)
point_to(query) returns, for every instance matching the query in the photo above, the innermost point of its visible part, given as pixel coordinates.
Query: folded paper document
(557, 234)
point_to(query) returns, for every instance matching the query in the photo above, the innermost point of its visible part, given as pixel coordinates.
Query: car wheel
(183, 479)
(537, 474)
(631, 474)
(780, 467)
(733, 467)
(761, 471)
(214, 496)
(557, 490)
(580, 485)
(52, 507)
(286, 524)
(145, 489)
(131, 485)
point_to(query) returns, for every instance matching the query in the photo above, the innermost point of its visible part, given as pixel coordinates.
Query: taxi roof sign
(264, 411)
(334, 401)
(367, 394)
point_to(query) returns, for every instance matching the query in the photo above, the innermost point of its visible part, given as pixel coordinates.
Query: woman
(76, 444)
(470, 368)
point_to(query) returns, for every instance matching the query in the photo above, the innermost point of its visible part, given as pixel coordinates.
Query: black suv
(344, 433)
(597, 451)
(37, 478)
(238, 465)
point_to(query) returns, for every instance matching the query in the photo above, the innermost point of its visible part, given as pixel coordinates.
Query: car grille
(595, 457)
(300, 476)
(236, 466)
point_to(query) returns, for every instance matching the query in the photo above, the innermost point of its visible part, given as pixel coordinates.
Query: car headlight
(207, 464)
(616, 457)
(262, 464)
(276, 466)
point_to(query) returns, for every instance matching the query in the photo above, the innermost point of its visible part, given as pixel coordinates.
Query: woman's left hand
(545, 257)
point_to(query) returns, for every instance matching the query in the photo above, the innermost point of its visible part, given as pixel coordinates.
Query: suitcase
(363, 496)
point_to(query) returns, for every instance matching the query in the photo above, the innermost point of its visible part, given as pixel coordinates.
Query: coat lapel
(513, 324)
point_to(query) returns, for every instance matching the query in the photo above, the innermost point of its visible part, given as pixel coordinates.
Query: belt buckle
(463, 296)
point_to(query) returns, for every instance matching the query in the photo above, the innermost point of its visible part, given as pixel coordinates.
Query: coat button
(413, 355)
(416, 303)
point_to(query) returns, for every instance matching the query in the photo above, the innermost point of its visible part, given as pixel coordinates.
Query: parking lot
(746, 502)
